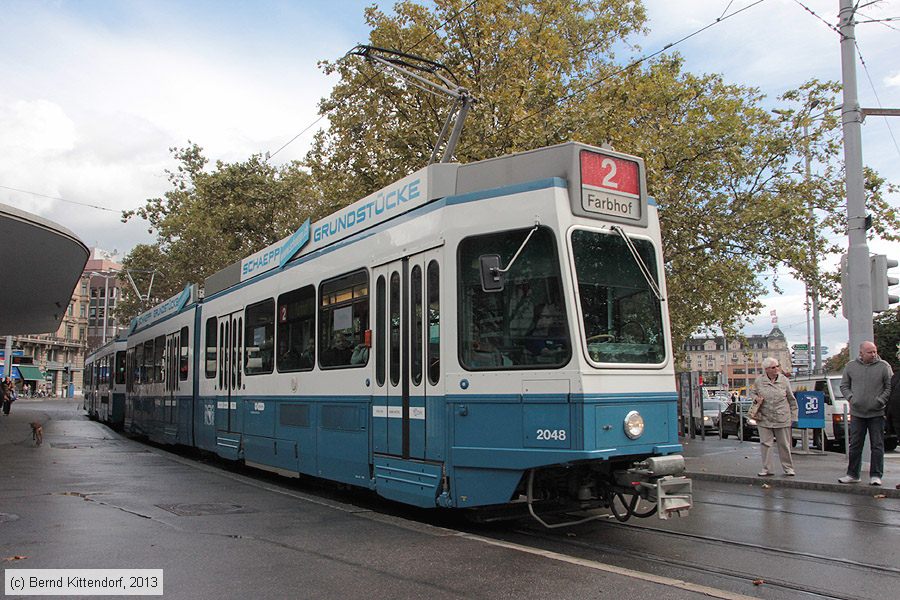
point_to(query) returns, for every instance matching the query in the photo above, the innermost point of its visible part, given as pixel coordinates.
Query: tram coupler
(659, 480)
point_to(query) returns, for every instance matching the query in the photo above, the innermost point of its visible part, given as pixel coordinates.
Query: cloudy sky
(96, 92)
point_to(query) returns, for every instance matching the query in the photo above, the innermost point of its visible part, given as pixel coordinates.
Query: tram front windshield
(524, 325)
(622, 316)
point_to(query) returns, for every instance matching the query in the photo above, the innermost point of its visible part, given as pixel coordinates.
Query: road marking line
(599, 566)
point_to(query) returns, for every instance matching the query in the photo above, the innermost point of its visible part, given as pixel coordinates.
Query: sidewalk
(734, 461)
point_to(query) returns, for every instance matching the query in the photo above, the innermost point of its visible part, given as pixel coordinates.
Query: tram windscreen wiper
(645, 270)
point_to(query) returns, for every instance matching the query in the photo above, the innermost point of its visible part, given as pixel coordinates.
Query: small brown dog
(37, 433)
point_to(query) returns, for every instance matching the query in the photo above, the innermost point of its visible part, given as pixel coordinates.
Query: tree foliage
(737, 208)
(887, 336)
(210, 219)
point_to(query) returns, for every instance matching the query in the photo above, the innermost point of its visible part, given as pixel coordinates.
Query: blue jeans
(858, 428)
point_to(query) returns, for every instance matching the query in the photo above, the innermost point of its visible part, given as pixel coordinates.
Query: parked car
(711, 411)
(732, 416)
(731, 424)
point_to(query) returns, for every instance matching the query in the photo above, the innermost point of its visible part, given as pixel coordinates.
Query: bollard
(847, 431)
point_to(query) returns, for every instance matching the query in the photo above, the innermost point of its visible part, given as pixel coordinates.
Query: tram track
(801, 514)
(738, 576)
(612, 554)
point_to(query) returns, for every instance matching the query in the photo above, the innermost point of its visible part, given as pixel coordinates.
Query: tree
(836, 363)
(887, 336)
(727, 174)
(210, 219)
(515, 57)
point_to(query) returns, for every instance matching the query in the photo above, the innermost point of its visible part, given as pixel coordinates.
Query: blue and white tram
(160, 371)
(471, 336)
(104, 383)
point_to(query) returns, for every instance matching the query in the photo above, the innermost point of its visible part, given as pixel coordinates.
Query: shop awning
(29, 372)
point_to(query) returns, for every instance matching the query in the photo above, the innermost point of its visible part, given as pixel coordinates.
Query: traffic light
(881, 281)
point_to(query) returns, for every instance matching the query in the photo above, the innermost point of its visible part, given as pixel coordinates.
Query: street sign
(811, 407)
(800, 347)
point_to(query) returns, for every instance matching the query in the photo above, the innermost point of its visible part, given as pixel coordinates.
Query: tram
(104, 383)
(473, 336)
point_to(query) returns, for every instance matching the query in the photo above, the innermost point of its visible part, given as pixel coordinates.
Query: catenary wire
(6, 187)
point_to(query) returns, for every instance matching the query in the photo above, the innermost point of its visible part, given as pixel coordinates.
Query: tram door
(404, 327)
(170, 412)
(231, 372)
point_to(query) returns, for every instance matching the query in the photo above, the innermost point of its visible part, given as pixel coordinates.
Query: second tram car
(104, 383)
(470, 336)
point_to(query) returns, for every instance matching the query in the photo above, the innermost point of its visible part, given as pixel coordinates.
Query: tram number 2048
(551, 434)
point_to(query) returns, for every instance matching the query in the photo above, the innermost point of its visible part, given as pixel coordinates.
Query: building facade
(737, 363)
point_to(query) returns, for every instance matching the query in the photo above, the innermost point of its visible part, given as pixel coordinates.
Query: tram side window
(380, 335)
(139, 364)
(211, 329)
(525, 325)
(120, 368)
(433, 300)
(343, 320)
(129, 370)
(183, 355)
(297, 329)
(159, 352)
(259, 338)
(146, 366)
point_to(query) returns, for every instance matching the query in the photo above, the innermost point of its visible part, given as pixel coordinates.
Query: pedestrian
(776, 409)
(866, 384)
(7, 389)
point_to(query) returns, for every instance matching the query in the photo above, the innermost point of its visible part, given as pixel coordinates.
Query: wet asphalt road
(90, 498)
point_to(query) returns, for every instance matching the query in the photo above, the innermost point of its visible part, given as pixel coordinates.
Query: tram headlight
(634, 425)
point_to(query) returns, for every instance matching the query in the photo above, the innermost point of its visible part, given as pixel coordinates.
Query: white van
(834, 408)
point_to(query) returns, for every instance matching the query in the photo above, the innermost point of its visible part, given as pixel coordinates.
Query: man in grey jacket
(866, 385)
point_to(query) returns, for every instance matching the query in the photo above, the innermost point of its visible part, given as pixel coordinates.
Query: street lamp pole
(812, 290)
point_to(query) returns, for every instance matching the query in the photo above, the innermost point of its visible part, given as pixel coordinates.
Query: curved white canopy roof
(40, 265)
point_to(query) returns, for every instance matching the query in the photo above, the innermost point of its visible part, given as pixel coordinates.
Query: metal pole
(105, 305)
(812, 290)
(809, 342)
(859, 296)
(725, 359)
(7, 358)
(817, 329)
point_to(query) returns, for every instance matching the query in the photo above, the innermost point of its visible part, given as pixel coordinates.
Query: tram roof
(430, 183)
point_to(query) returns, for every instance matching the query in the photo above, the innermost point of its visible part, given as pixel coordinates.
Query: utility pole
(859, 296)
(812, 291)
